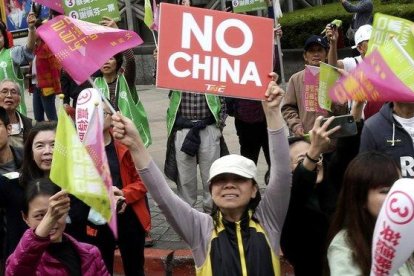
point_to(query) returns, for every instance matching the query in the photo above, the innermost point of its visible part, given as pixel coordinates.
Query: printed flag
(83, 47)
(148, 17)
(387, 74)
(311, 81)
(392, 242)
(327, 78)
(94, 143)
(385, 27)
(74, 171)
(55, 5)
(156, 22)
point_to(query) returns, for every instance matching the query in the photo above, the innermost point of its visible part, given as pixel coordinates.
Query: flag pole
(403, 51)
(155, 39)
(102, 96)
(277, 13)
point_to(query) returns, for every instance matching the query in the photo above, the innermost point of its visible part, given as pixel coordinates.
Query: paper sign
(248, 5)
(386, 26)
(392, 242)
(83, 47)
(91, 11)
(327, 78)
(214, 52)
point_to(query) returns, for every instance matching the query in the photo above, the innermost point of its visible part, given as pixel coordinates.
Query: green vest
(133, 109)
(213, 103)
(8, 71)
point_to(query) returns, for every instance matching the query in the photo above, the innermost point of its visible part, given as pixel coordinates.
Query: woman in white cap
(242, 235)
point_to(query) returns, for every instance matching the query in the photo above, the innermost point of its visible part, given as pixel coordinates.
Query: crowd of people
(318, 209)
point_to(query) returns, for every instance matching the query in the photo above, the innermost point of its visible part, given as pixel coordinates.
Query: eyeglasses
(11, 92)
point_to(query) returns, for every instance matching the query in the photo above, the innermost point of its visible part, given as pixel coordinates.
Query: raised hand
(108, 22)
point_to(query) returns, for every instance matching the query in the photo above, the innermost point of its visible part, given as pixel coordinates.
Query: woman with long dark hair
(367, 181)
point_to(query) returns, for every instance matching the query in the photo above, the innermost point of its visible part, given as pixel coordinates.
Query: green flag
(148, 17)
(73, 169)
(327, 78)
(385, 27)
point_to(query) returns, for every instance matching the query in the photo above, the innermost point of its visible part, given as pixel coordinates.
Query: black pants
(131, 241)
(253, 137)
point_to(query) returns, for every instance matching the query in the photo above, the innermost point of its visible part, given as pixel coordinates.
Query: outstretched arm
(273, 207)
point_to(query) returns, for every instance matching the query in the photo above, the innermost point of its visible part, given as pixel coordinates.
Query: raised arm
(31, 38)
(332, 34)
(189, 223)
(272, 209)
(361, 6)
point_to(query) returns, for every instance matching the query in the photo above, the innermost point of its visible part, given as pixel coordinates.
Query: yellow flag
(148, 17)
(73, 169)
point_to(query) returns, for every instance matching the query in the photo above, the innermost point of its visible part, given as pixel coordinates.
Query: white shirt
(407, 124)
(350, 63)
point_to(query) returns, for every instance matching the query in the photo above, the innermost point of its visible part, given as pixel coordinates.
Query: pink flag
(55, 5)
(83, 47)
(94, 143)
(156, 13)
(373, 80)
(311, 81)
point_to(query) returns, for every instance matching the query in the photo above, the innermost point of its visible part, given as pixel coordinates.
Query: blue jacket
(383, 133)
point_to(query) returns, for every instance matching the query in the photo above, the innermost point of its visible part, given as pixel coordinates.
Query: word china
(182, 64)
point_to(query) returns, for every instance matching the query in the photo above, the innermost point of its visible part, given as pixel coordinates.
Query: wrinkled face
(37, 210)
(4, 134)
(314, 55)
(42, 148)
(9, 96)
(232, 193)
(109, 67)
(375, 200)
(363, 47)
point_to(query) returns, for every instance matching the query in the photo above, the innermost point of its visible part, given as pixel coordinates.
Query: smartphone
(347, 123)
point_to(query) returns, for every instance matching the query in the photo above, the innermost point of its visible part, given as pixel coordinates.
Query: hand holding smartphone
(347, 126)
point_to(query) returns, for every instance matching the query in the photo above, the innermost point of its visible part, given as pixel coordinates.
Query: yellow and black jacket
(248, 247)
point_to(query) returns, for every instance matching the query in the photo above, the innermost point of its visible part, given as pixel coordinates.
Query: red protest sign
(207, 51)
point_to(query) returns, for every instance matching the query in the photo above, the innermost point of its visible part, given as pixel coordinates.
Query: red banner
(207, 51)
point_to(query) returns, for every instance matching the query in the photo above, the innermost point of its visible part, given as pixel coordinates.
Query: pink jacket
(30, 258)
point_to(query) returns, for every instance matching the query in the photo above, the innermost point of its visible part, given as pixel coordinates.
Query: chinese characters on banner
(83, 47)
(248, 5)
(92, 10)
(310, 101)
(386, 26)
(392, 242)
(214, 52)
(84, 109)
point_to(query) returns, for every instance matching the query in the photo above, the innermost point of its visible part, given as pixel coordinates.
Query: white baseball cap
(363, 33)
(235, 164)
